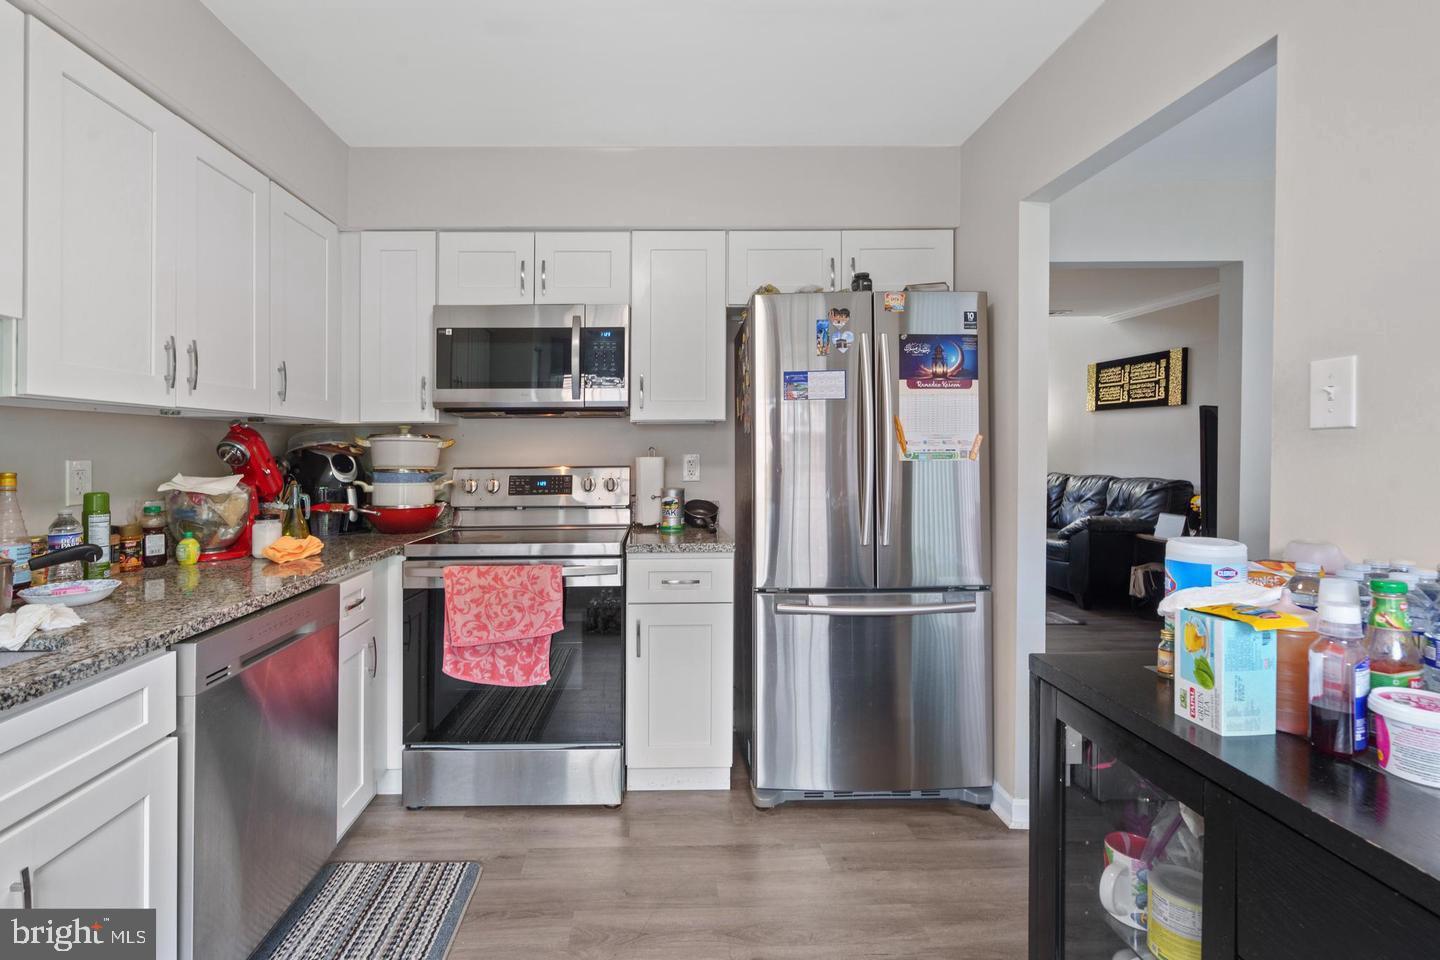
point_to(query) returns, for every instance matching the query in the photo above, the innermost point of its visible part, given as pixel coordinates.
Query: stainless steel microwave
(532, 359)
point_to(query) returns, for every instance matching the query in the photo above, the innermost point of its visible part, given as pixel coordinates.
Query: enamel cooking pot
(404, 450)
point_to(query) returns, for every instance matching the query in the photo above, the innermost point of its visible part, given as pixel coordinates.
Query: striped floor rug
(358, 911)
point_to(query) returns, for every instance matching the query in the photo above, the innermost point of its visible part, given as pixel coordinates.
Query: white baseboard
(389, 783)
(677, 778)
(1014, 813)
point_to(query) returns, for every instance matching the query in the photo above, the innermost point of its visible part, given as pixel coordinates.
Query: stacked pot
(405, 471)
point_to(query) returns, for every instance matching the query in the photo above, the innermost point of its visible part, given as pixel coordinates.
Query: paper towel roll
(649, 479)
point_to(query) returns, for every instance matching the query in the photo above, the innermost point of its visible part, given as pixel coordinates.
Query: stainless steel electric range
(469, 744)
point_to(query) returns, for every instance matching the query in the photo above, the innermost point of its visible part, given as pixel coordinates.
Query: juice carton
(1225, 660)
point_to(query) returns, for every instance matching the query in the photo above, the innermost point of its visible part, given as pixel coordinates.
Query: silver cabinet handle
(542, 278)
(522, 276)
(353, 604)
(374, 656)
(284, 381)
(852, 267)
(832, 273)
(170, 364)
(889, 610)
(637, 637)
(423, 384)
(867, 431)
(679, 583)
(27, 893)
(887, 423)
(642, 391)
(194, 351)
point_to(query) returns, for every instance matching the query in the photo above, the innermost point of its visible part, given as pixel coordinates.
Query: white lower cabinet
(359, 696)
(679, 690)
(112, 843)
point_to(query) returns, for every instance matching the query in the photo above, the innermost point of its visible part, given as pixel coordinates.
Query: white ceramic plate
(70, 593)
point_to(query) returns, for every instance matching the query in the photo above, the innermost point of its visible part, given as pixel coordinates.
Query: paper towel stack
(649, 480)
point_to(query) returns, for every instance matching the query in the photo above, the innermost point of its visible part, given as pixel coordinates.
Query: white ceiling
(1123, 292)
(653, 72)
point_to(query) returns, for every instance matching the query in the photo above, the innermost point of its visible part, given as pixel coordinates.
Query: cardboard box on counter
(1225, 667)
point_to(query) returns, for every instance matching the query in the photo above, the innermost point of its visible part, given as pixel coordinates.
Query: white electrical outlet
(78, 481)
(692, 467)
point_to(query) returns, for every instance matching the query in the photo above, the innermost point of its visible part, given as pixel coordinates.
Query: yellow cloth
(288, 549)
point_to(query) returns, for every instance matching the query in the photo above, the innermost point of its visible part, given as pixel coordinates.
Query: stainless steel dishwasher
(257, 730)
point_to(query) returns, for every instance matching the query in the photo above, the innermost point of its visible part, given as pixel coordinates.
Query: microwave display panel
(602, 353)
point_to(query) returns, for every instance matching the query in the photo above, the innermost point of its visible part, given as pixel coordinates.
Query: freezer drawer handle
(895, 610)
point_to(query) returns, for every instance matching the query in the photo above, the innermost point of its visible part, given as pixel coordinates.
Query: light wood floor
(706, 876)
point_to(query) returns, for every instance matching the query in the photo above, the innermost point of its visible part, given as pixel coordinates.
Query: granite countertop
(1380, 823)
(164, 605)
(691, 540)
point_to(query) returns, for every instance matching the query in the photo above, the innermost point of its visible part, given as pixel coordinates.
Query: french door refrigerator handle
(867, 430)
(888, 610)
(887, 424)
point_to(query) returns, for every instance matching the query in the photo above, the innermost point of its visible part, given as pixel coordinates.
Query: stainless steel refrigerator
(863, 566)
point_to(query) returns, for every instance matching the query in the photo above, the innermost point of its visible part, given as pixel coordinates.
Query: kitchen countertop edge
(644, 541)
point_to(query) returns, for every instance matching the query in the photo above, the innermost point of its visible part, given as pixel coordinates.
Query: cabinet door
(896, 258)
(100, 233)
(222, 282)
(354, 770)
(112, 843)
(677, 327)
(788, 259)
(12, 160)
(397, 300)
(583, 267)
(486, 268)
(304, 310)
(678, 690)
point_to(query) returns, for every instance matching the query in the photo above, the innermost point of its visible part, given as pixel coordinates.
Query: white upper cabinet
(101, 226)
(787, 259)
(304, 310)
(486, 268)
(500, 268)
(222, 284)
(397, 300)
(896, 258)
(677, 327)
(583, 267)
(12, 160)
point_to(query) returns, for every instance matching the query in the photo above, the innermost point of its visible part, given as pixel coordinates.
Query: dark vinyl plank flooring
(701, 875)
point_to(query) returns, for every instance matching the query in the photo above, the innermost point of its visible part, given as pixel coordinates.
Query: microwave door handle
(575, 322)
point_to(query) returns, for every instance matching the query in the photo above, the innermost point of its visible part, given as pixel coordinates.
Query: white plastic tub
(1407, 733)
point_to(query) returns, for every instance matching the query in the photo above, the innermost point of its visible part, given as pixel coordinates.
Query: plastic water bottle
(14, 541)
(65, 531)
(1304, 587)
(1360, 575)
(1430, 585)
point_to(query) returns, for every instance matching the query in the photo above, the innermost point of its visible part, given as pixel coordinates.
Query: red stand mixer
(247, 454)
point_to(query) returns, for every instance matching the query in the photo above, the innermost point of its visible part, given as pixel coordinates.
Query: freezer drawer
(872, 692)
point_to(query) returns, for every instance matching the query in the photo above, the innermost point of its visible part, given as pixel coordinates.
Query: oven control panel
(531, 487)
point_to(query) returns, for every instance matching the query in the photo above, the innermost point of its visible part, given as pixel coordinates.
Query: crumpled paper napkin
(17, 627)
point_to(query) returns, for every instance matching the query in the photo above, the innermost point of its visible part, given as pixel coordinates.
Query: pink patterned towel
(498, 622)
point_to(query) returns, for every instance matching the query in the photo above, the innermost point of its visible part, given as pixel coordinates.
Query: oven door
(583, 704)
(509, 358)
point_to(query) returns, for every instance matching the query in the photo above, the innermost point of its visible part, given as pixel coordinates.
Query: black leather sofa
(1092, 521)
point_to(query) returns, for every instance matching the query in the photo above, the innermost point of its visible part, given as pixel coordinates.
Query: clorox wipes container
(1204, 562)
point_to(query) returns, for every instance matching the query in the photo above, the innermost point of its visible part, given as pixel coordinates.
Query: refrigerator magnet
(895, 302)
(797, 385)
(813, 385)
(844, 341)
(822, 337)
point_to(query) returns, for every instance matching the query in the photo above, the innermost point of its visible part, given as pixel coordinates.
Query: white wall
(129, 454)
(654, 187)
(1356, 200)
(1151, 442)
(179, 53)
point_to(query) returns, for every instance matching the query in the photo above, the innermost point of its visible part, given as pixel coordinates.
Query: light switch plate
(692, 467)
(1332, 393)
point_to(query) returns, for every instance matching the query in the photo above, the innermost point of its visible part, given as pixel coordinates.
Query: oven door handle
(437, 571)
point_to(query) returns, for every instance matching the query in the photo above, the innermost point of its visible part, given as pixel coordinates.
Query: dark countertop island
(1381, 824)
